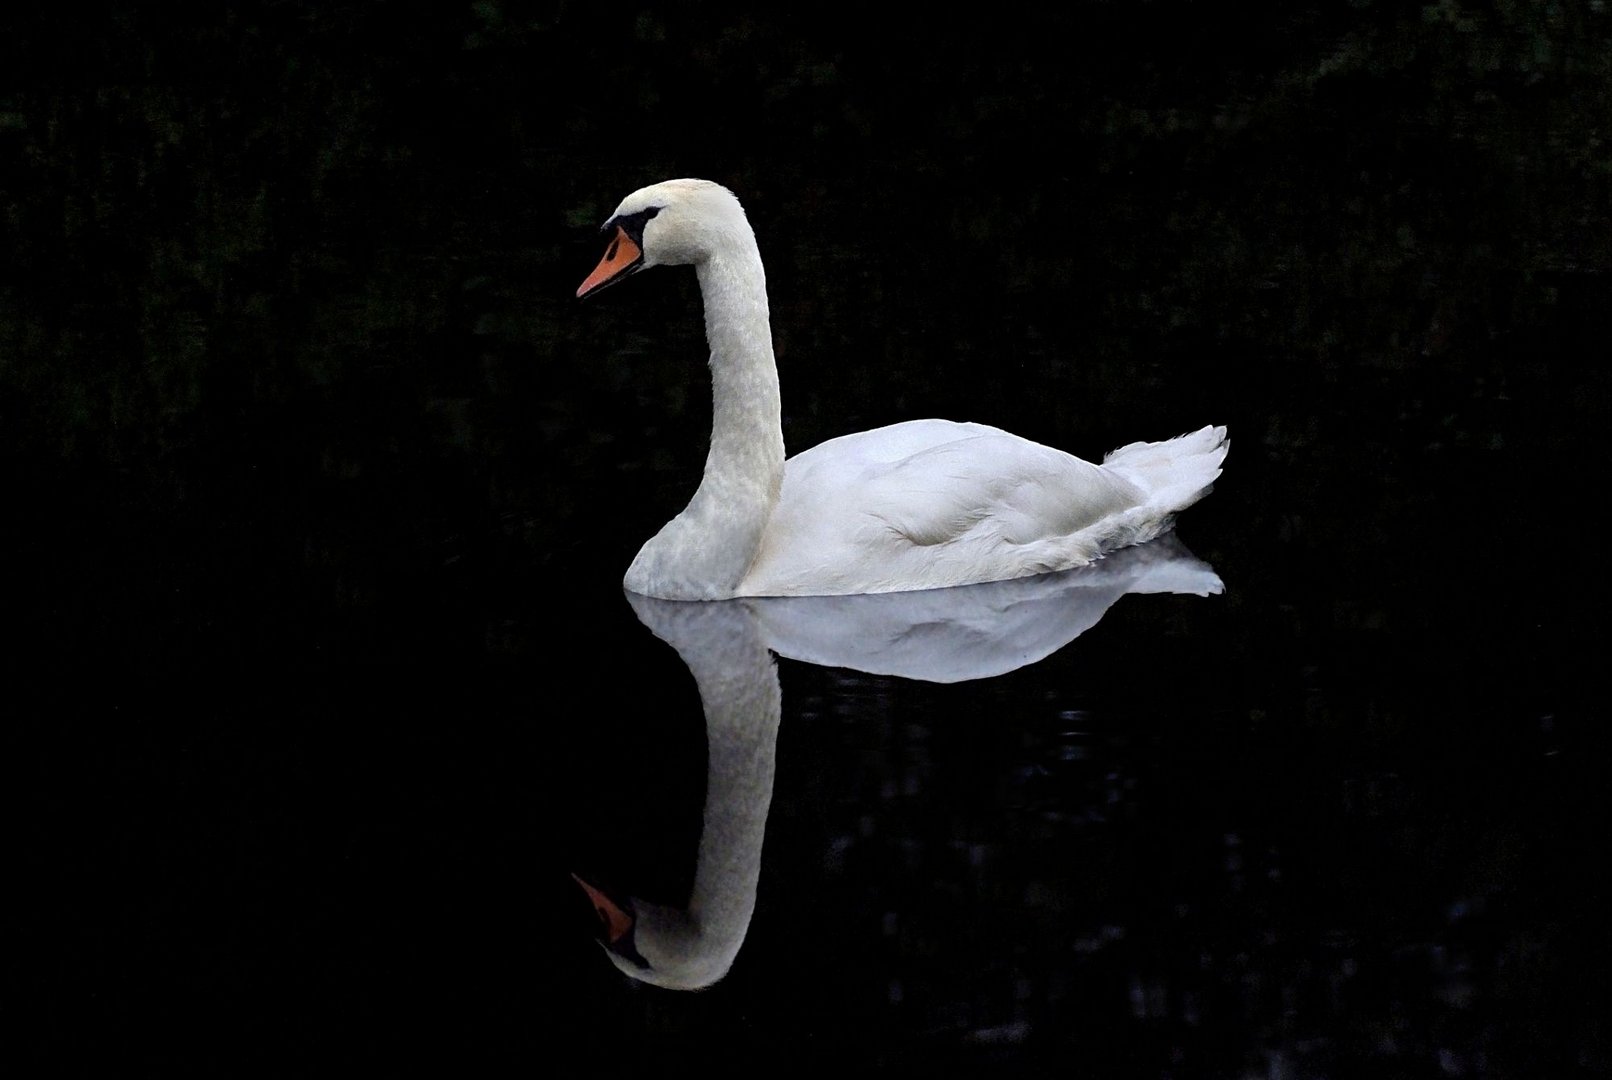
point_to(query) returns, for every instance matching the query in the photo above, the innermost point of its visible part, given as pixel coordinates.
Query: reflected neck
(738, 683)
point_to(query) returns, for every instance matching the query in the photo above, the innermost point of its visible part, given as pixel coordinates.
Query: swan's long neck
(747, 442)
(704, 553)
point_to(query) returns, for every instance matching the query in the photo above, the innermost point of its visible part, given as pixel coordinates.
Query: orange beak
(621, 256)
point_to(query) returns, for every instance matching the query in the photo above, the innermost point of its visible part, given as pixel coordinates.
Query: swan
(924, 504)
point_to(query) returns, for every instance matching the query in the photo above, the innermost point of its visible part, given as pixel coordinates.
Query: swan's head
(663, 946)
(668, 224)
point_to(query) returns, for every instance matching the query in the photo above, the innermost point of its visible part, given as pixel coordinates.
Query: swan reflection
(973, 631)
(944, 636)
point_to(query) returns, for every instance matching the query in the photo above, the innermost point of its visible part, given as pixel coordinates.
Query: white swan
(919, 505)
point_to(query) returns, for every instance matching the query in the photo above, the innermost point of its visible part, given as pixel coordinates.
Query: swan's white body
(920, 505)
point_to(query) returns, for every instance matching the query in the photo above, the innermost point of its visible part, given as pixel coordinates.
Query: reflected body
(943, 636)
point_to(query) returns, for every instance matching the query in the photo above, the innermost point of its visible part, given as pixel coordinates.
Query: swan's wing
(928, 504)
(991, 485)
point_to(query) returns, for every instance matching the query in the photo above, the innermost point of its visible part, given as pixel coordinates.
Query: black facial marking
(628, 950)
(633, 224)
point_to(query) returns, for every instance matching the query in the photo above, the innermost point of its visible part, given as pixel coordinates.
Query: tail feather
(1175, 473)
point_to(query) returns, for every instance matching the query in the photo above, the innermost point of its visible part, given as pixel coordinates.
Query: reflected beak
(615, 922)
(621, 258)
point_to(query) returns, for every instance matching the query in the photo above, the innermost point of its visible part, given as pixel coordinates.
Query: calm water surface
(320, 489)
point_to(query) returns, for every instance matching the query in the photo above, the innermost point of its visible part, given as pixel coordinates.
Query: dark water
(319, 487)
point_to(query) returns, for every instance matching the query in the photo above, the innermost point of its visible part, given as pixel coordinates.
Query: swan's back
(930, 504)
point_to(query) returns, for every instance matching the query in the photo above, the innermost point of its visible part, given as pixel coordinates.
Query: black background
(319, 487)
